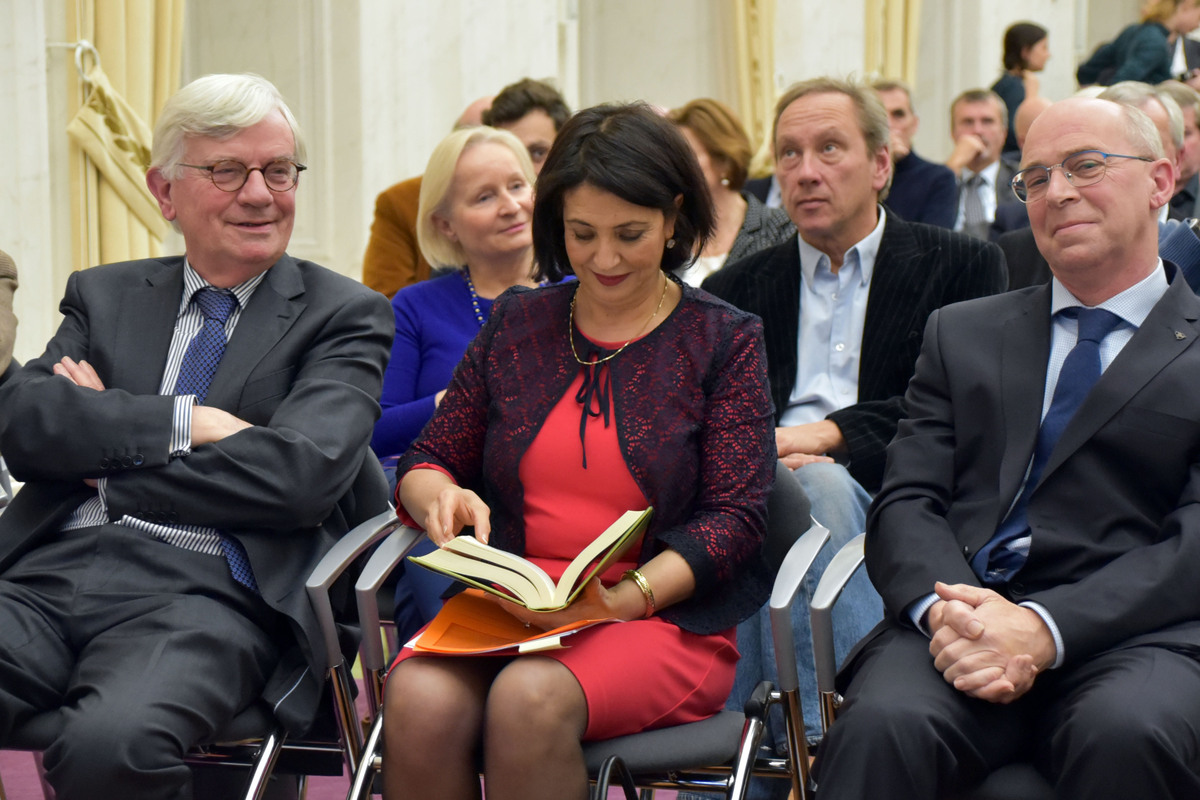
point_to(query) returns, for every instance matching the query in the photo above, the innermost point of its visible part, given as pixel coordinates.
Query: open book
(467, 559)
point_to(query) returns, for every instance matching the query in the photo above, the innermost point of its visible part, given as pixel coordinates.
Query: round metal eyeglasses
(231, 176)
(1081, 169)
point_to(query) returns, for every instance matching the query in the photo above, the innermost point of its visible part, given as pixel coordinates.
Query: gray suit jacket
(1004, 176)
(919, 268)
(304, 366)
(1116, 514)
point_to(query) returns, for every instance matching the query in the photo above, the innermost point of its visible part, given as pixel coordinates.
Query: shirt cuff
(181, 426)
(1041, 611)
(918, 609)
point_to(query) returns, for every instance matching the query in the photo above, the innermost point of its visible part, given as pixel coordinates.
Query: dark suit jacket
(1116, 514)
(1027, 266)
(1010, 216)
(759, 187)
(923, 191)
(919, 268)
(304, 366)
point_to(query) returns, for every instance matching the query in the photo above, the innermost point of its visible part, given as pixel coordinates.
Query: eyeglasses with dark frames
(1080, 169)
(230, 176)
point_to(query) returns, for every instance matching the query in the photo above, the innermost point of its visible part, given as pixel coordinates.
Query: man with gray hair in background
(192, 441)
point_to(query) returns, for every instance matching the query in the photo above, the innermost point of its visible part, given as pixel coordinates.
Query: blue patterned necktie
(997, 562)
(206, 348)
(196, 371)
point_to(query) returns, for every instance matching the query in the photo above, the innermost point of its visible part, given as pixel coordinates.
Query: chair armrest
(841, 569)
(343, 553)
(385, 558)
(788, 581)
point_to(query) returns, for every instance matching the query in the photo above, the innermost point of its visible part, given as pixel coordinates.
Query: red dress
(635, 675)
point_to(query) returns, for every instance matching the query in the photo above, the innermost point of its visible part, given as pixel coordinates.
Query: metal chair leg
(264, 765)
(364, 770)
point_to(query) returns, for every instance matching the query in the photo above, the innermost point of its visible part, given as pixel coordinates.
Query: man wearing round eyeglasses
(1039, 520)
(193, 440)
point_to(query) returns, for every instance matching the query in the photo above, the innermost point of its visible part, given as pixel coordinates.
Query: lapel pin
(1179, 335)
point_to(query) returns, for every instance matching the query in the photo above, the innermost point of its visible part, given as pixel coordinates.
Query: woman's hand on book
(452, 509)
(594, 602)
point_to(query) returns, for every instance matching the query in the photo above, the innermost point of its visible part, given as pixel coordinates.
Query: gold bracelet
(647, 593)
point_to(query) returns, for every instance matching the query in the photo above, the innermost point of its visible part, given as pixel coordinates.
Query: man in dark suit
(192, 441)
(979, 126)
(1038, 519)
(921, 191)
(842, 308)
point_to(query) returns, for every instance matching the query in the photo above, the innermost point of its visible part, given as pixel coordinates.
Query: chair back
(788, 516)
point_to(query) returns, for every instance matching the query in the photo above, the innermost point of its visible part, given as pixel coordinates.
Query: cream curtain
(754, 32)
(892, 28)
(139, 47)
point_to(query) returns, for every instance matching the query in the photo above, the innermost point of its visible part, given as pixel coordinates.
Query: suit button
(126, 461)
(966, 551)
(104, 463)
(138, 460)
(1017, 588)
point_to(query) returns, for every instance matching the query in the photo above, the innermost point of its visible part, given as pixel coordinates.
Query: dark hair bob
(637, 155)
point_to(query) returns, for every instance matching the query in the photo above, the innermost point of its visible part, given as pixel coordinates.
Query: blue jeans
(840, 504)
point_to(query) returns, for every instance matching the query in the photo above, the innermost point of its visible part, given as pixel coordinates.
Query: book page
(607, 547)
(475, 571)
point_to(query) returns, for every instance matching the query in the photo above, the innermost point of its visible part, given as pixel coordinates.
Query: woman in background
(744, 224)
(621, 390)
(1026, 51)
(1142, 52)
(475, 222)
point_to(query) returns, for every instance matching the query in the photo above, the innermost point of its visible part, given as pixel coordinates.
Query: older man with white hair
(192, 441)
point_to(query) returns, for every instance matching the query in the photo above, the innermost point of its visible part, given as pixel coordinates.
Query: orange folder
(471, 623)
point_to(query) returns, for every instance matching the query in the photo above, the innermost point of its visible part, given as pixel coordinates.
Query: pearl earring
(670, 243)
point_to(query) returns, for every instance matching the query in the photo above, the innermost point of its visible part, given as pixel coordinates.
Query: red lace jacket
(694, 420)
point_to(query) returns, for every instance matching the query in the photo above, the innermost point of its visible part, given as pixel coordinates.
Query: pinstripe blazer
(919, 268)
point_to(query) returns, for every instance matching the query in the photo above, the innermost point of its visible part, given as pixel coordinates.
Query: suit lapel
(1025, 351)
(273, 308)
(1170, 329)
(893, 289)
(777, 285)
(143, 316)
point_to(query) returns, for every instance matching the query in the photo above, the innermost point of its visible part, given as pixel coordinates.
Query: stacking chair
(1016, 780)
(254, 739)
(718, 754)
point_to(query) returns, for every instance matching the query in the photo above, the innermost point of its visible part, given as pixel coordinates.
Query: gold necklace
(571, 329)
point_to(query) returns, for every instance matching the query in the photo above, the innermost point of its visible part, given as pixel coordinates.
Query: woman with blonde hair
(474, 223)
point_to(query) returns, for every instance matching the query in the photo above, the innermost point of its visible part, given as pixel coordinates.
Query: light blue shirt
(833, 312)
(1133, 306)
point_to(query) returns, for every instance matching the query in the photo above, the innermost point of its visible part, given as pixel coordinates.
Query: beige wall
(376, 83)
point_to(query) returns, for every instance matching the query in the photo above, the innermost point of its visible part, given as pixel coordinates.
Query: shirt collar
(988, 173)
(860, 257)
(192, 283)
(1132, 305)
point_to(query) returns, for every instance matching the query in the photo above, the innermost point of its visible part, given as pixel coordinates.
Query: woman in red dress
(575, 403)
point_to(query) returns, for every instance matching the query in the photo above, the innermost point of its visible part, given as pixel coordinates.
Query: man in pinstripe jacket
(866, 282)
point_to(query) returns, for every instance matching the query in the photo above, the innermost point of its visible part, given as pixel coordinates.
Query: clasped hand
(986, 646)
